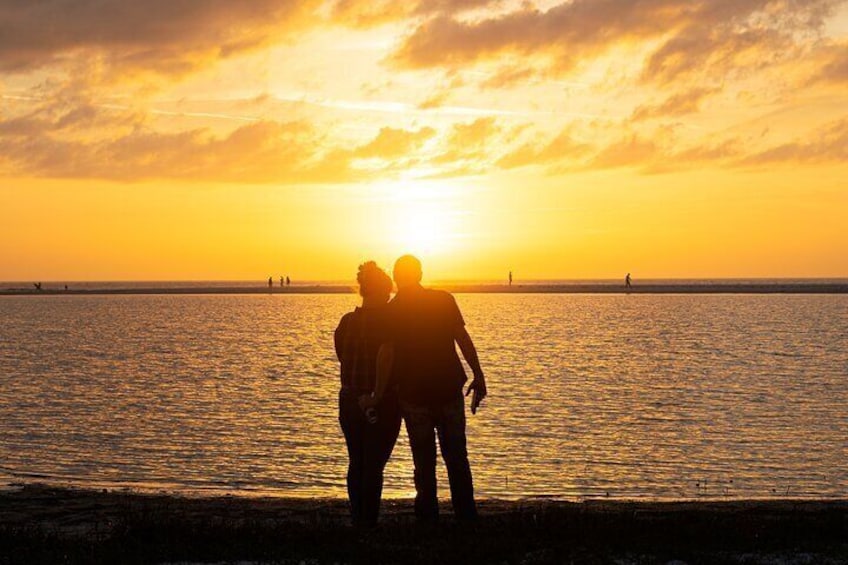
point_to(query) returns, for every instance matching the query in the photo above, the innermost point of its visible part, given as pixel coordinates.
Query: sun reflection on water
(620, 396)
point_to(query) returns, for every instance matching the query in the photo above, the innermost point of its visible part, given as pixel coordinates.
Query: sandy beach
(40, 524)
(570, 288)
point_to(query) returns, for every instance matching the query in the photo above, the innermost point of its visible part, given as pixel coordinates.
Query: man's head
(373, 282)
(407, 271)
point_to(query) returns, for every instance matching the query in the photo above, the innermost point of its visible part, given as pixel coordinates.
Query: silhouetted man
(421, 361)
(627, 281)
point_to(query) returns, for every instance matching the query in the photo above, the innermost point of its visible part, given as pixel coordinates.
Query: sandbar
(570, 288)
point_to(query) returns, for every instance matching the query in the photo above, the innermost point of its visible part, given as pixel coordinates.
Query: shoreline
(571, 288)
(39, 523)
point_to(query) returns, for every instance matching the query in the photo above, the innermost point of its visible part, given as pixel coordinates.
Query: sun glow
(424, 228)
(424, 220)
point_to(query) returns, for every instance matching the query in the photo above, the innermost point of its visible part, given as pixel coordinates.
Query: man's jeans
(422, 424)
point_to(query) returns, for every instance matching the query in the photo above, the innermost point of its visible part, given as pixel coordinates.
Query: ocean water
(620, 396)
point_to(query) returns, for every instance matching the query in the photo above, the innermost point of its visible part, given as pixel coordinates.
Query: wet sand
(41, 524)
(571, 288)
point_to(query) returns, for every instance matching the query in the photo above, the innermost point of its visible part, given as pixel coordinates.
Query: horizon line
(481, 280)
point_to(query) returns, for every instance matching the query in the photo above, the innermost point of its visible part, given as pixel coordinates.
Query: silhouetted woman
(370, 437)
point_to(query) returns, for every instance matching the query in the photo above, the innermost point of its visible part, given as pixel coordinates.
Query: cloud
(394, 143)
(469, 141)
(827, 145)
(701, 36)
(166, 36)
(662, 151)
(563, 147)
(833, 65)
(716, 52)
(75, 138)
(71, 137)
(257, 153)
(509, 76)
(369, 13)
(681, 103)
(634, 150)
(435, 100)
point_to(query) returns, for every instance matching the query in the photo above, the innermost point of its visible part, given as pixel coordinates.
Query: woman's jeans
(369, 447)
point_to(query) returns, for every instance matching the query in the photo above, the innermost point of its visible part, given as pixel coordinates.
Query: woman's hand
(367, 401)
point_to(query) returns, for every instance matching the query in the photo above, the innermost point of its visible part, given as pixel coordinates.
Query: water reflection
(591, 395)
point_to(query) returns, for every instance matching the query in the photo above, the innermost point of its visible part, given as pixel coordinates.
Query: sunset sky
(187, 139)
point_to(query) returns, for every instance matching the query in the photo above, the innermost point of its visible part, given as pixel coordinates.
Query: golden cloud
(826, 145)
(78, 139)
(678, 104)
(394, 143)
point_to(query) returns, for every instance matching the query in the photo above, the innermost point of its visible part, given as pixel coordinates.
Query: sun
(423, 218)
(424, 228)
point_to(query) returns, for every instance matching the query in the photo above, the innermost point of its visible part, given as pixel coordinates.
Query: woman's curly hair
(373, 280)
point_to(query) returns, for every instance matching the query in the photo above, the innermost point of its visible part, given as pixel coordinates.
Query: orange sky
(586, 138)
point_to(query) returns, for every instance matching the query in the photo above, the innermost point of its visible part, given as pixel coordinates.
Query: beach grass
(41, 524)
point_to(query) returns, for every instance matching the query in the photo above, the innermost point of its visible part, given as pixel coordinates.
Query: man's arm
(385, 359)
(478, 384)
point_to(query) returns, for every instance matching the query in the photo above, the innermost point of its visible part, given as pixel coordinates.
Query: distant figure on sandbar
(370, 434)
(627, 281)
(66, 287)
(420, 359)
(510, 278)
(288, 281)
(282, 282)
(37, 286)
(270, 282)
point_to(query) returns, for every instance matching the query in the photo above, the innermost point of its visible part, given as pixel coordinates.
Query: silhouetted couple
(399, 360)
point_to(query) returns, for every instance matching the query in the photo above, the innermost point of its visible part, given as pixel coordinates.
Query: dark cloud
(168, 36)
(716, 53)
(833, 67)
(694, 35)
(175, 37)
(368, 13)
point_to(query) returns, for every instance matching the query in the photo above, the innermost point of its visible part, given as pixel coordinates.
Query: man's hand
(478, 386)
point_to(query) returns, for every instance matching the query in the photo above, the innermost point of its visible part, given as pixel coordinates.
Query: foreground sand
(40, 524)
(571, 288)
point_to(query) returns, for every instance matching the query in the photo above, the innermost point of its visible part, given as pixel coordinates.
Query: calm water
(654, 396)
